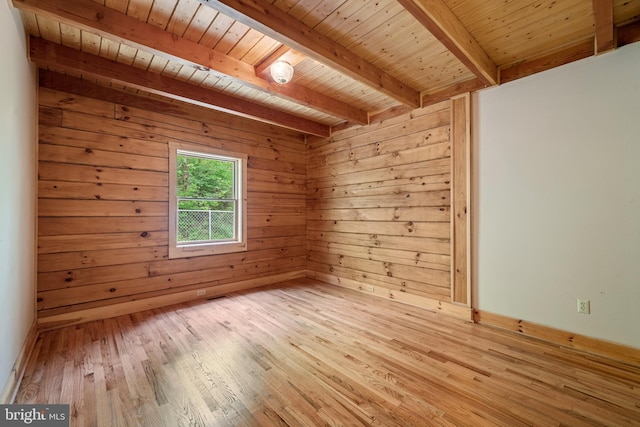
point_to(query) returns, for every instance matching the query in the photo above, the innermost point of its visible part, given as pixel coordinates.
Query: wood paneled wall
(103, 204)
(379, 208)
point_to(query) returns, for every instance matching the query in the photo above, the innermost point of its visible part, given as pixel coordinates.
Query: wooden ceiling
(356, 61)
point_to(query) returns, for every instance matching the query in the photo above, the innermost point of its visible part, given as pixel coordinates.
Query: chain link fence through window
(197, 225)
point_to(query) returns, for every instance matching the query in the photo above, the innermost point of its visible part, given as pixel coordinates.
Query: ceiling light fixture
(282, 72)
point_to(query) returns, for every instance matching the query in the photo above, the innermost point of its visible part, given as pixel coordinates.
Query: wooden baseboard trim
(10, 389)
(105, 312)
(459, 311)
(557, 336)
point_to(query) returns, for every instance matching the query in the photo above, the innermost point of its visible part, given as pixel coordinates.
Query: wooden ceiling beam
(268, 19)
(605, 28)
(95, 18)
(143, 100)
(440, 21)
(563, 56)
(76, 86)
(48, 54)
(629, 33)
(453, 90)
(427, 99)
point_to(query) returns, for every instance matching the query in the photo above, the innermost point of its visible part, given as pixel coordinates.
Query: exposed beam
(451, 91)
(605, 29)
(564, 56)
(141, 100)
(629, 33)
(76, 86)
(438, 19)
(428, 98)
(95, 18)
(48, 54)
(266, 18)
(389, 113)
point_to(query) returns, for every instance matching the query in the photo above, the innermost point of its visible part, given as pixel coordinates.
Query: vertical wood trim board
(460, 199)
(103, 201)
(379, 206)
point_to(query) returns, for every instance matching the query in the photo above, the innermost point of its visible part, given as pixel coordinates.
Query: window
(207, 201)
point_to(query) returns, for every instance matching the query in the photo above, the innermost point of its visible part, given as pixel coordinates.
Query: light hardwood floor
(309, 354)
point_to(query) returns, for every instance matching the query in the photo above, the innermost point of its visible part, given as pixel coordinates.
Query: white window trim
(177, 250)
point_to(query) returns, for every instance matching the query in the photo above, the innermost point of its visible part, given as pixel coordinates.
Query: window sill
(188, 251)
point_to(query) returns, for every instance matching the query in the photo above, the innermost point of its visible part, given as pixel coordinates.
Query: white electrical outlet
(584, 306)
(201, 292)
(370, 288)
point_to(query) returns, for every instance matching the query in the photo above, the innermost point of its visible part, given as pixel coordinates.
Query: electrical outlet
(201, 292)
(370, 288)
(584, 306)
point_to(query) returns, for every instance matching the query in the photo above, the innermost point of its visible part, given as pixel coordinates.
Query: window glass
(207, 206)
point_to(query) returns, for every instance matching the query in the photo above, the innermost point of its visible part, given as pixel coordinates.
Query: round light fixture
(281, 71)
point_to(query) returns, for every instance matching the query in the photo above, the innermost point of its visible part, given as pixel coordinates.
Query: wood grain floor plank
(305, 353)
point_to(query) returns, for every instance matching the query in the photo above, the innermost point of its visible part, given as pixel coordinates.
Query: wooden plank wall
(379, 208)
(103, 203)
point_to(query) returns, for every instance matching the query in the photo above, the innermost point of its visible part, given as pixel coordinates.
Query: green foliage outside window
(205, 191)
(204, 178)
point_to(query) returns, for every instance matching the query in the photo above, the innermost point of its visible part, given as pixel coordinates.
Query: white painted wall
(18, 112)
(557, 197)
